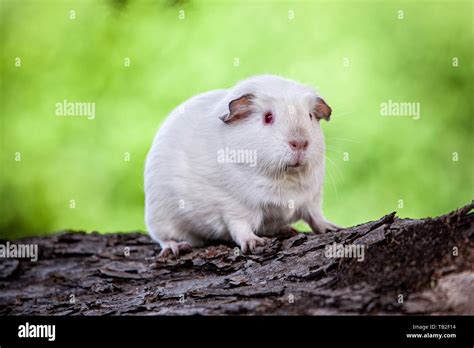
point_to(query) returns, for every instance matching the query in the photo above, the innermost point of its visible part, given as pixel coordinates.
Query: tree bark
(407, 267)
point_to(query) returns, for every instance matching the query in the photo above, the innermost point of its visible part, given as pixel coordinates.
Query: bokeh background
(358, 53)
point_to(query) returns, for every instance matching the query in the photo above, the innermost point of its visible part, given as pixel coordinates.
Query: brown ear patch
(322, 110)
(239, 109)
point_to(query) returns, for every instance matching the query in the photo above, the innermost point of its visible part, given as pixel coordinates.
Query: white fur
(191, 197)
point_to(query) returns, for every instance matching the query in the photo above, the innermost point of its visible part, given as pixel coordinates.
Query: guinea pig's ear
(321, 110)
(238, 109)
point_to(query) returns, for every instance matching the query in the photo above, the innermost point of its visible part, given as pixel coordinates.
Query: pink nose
(298, 145)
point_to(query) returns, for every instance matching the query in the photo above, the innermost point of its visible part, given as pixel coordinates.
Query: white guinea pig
(237, 164)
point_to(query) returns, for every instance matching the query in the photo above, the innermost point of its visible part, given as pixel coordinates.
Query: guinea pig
(237, 164)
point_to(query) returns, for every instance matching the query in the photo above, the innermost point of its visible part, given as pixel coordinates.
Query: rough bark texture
(409, 267)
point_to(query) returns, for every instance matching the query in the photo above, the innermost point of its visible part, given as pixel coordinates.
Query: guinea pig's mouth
(295, 166)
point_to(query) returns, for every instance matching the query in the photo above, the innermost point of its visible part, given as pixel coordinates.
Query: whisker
(335, 165)
(333, 184)
(333, 149)
(344, 139)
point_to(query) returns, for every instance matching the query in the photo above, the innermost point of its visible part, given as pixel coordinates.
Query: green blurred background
(358, 53)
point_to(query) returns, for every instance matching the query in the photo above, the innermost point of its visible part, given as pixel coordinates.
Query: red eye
(268, 118)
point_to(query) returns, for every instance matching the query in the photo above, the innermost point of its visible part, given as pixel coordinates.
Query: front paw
(250, 243)
(172, 247)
